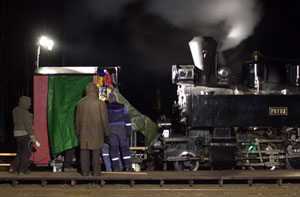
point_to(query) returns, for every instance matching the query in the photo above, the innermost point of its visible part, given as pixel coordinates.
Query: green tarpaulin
(64, 92)
(139, 121)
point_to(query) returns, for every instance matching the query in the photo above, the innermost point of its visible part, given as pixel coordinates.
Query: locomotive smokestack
(203, 50)
(197, 53)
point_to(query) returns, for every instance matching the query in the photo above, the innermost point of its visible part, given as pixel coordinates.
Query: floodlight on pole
(46, 43)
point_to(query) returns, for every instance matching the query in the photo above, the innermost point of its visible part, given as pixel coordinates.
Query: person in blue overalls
(106, 158)
(120, 131)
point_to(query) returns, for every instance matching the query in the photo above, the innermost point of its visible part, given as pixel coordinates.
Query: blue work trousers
(119, 141)
(107, 159)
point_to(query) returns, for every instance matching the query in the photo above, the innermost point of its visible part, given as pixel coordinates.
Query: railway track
(160, 178)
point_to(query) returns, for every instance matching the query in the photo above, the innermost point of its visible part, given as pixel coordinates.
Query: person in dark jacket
(23, 132)
(120, 131)
(91, 126)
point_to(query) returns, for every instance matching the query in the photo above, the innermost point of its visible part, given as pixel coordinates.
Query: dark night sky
(144, 37)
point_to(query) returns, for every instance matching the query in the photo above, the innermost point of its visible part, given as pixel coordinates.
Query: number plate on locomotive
(278, 111)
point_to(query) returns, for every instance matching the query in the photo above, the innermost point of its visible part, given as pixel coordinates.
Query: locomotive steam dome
(293, 74)
(254, 72)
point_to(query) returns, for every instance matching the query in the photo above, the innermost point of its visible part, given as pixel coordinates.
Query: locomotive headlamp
(224, 73)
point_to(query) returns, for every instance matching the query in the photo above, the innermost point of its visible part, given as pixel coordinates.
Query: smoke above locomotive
(229, 22)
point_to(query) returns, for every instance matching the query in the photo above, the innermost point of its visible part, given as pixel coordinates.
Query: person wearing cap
(91, 127)
(23, 132)
(120, 131)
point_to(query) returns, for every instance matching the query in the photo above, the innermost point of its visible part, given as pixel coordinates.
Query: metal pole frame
(38, 56)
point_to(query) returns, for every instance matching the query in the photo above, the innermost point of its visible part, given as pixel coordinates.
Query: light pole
(46, 43)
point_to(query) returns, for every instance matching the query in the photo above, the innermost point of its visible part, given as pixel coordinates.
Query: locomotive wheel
(292, 163)
(187, 165)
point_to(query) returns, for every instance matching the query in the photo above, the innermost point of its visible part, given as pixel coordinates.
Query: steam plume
(229, 21)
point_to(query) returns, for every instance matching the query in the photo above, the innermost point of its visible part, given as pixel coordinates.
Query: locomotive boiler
(246, 122)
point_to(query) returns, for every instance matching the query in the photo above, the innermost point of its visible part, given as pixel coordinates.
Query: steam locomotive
(229, 122)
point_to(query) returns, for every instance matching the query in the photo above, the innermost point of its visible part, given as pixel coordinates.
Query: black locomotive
(228, 122)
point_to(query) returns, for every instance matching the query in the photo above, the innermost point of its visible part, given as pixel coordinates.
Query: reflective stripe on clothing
(117, 123)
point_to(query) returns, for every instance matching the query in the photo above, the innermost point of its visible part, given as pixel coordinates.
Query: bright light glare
(45, 42)
(50, 45)
(235, 32)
